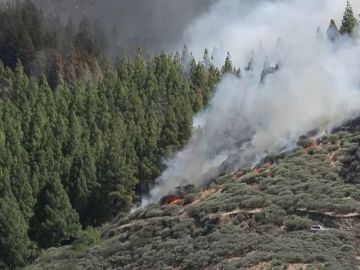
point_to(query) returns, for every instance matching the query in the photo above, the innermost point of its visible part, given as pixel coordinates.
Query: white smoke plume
(316, 87)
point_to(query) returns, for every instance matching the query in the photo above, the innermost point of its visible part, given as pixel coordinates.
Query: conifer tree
(14, 241)
(17, 159)
(54, 219)
(139, 75)
(198, 78)
(228, 66)
(186, 59)
(213, 79)
(77, 149)
(206, 60)
(349, 22)
(319, 34)
(332, 31)
(116, 174)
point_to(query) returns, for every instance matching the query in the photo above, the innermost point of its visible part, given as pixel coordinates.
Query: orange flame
(170, 200)
(262, 169)
(313, 144)
(174, 202)
(256, 170)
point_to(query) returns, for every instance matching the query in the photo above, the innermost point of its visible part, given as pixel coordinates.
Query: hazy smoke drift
(317, 86)
(152, 25)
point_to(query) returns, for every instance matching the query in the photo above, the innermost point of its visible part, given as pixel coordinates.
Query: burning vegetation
(170, 200)
(236, 217)
(263, 168)
(311, 144)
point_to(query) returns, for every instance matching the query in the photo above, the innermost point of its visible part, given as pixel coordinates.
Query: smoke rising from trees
(316, 87)
(153, 25)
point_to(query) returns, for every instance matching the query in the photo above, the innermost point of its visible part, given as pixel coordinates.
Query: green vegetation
(73, 155)
(245, 219)
(78, 139)
(13, 227)
(87, 239)
(79, 136)
(349, 26)
(349, 22)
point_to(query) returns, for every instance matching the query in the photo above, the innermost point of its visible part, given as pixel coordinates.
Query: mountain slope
(256, 218)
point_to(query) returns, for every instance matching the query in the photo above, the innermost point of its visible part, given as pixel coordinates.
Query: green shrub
(331, 176)
(253, 202)
(286, 201)
(170, 210)
(347, 248)
(295, 223)
(189, 198)
(223, 179)
(332, 148)
(250, 178)
(275, 263)
(87, 239)
(198, 260)
(355, 139)
(144, 212)
(153, 212)
(259, 217)
(305, 142)
(332, 139)
(274, 214)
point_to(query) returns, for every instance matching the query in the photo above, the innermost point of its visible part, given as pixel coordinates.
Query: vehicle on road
(317, 228)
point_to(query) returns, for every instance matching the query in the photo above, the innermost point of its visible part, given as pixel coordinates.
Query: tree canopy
(349, 22)
(75, 156)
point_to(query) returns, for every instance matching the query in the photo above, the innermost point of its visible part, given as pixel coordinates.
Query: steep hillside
(257, 218)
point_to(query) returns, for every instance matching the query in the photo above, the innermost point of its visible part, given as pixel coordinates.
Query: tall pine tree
(54, 219)
(349, 22)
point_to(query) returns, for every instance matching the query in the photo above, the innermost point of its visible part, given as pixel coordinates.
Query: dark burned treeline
(45, 46)
(77, 135)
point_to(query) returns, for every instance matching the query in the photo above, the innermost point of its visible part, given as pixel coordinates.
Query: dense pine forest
(80, 134)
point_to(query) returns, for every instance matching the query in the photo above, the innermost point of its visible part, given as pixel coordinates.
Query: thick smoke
(152, 25)
(316, 87)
